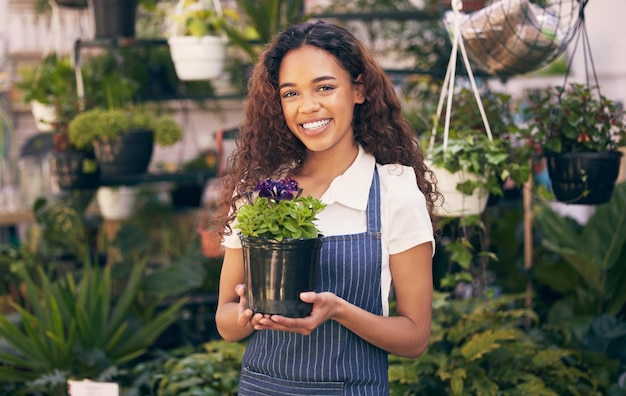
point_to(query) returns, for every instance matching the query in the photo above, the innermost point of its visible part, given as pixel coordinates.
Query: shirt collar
(352, 188)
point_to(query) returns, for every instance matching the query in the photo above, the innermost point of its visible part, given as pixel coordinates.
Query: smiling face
(318, 99)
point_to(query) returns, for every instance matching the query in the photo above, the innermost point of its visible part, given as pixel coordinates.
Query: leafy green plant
(279, 212)
(76, 327)
(470, 149)
(98, 123)
(480, 347)
(261, 21)
(49, 81)
(574, 118)
(595, 252)
(213, 370)
(196, 20)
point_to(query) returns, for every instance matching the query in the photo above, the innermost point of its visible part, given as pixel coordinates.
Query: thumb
(308, 296)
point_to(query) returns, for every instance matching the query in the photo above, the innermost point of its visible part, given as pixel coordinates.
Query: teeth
(315, 125)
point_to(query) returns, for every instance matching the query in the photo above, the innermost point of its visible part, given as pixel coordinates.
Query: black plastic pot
(275, 274)
(583, 178)
(114, 18)
(127, 154)
(75, 170)
(72, 3)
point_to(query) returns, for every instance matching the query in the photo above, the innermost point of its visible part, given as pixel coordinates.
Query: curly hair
(266, 147)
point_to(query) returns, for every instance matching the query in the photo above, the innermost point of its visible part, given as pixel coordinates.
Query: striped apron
(331, 360)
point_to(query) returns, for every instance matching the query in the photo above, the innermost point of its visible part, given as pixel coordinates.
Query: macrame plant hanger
(587, 56)
(447, 89)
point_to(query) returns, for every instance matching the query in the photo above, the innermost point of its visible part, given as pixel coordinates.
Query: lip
(315, 132)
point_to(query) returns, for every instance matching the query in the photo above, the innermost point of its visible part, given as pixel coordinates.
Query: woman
(320, 110)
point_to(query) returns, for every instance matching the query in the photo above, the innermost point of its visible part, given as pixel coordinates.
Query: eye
(288, 94)
(324, 88)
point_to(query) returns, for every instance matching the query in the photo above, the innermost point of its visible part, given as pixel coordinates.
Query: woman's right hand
(246, 316)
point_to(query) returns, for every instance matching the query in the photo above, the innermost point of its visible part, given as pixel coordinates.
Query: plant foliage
(574, 118)
(278, 213)
(98, 123)
(480, 347)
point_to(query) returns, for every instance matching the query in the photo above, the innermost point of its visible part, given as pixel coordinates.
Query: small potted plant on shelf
(471, 166)
(280, 247)
(189, 193)
(579, 132)
(197, 39)
(50, 82)
(123, 139)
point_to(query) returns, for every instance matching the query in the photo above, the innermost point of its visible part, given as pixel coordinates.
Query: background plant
(574, 118)
(98, 123)
(479, 346)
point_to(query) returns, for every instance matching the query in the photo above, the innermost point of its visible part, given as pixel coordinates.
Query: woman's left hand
(324, 306)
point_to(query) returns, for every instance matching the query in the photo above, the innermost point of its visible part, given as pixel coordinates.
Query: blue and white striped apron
(331, 360)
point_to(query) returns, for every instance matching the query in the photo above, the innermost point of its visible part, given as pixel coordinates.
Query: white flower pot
(457, 204)
(116, 203)
(44, 115)
(198, 58)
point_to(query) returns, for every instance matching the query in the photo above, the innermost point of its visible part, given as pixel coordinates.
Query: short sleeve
(405, 218)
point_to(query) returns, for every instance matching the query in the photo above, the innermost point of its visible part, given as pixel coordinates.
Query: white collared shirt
(405, 222)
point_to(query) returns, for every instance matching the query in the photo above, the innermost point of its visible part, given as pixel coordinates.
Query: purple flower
(278, 190)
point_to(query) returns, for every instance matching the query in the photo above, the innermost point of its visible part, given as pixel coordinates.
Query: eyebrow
(315, 80)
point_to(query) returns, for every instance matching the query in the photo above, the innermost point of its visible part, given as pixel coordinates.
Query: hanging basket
(275, 273)
(198, 58)
(455, 203)
(45, 116)
(583, 178)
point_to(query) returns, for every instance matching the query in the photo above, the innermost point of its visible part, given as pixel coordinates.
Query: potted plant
(50, 82)
(579, 132)
(189, 193)
(471, 166)
(280, 247)
(123, 140)
(198, 41)
(263, 20)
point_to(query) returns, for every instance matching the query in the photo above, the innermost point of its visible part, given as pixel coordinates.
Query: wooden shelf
(17, 217)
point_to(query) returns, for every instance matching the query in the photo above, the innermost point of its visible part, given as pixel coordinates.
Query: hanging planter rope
(456, 203)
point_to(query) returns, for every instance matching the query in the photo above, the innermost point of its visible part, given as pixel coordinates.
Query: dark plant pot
(127, 154)
(187, 195)
(583, 178)
(72, 3)
(114, 18)
(75, 170)
(275, 274)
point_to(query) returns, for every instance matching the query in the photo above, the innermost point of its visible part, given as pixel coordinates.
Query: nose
(308, 104)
